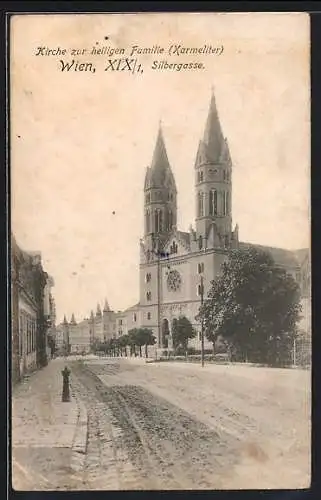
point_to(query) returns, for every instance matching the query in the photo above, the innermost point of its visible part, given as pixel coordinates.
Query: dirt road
(174, 427)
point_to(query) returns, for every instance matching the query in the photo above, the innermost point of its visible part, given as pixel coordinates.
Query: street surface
(178, 426)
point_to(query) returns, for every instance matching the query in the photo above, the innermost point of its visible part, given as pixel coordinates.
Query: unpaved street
(176, 426)
(170, 426)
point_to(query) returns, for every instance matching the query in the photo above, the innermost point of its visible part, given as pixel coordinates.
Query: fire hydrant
(65, 388)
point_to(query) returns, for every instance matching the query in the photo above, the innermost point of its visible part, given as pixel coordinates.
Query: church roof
(98, 311)
(281, 256)
(159, 174)
(106, 306)
(133, 308)
(213, 148)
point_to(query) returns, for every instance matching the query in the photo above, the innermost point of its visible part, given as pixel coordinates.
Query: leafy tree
(141, 337)
(148, 338)
(254, 305)
(123, 343)
(133, 338)
(182, 331)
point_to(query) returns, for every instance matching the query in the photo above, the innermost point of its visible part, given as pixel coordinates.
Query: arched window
(223, 203)
(147, 221)
(149, 296)
(156, 221)
(200, 242)
(227, 203)
(200, 268)
(160, 221)
(200, 204)
(213, 202)
(170, 220)
(174, 247)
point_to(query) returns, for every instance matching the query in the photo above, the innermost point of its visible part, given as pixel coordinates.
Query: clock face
(174, 281)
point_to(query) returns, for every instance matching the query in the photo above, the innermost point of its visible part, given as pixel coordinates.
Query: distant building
(98, 328)
(30, 291)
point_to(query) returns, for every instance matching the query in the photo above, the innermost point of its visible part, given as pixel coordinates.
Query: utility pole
(202, 323)
(294, 351)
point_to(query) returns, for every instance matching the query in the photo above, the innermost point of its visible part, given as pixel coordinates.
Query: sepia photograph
(160, 251)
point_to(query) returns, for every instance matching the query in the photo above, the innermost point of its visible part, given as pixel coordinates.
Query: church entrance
(165, 333)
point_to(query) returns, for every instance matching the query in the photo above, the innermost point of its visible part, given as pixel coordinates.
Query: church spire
(106, 306)
(160, 158)
(65, 320)
(213, 138)
(98, 312)
(73, 321)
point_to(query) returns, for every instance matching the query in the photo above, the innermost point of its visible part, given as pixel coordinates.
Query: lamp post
(202, 323)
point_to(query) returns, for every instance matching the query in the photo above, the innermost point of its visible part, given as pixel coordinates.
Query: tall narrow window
(148, 315)
(227, 203)
(223, 203)
(200, 204)
(147, 221)
(160, 221)
(200, 242)
(156, 221)
(213, 202)
(170, 220)
(200, 268)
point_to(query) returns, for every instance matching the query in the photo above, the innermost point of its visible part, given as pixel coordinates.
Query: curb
(79, 444)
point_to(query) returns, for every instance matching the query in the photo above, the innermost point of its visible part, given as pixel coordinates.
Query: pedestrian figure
(65, 388)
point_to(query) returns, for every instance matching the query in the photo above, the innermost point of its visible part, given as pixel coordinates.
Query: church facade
(174, 265)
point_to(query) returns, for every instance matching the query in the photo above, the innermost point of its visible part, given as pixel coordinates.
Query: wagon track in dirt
(162, 446)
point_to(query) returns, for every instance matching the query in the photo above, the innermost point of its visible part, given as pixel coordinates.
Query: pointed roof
(160, 158)
(65, 320)
(213, 148)
(98, 311)
(91, 313)
(159, 173)
(106, 306)
(73, 319)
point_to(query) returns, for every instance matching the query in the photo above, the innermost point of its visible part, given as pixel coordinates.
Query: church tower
(160, 204)
(213, 185)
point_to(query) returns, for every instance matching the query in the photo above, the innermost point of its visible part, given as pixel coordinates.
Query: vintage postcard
(160, 251)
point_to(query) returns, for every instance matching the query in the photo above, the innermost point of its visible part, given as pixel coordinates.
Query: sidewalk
(42, 425)
(39, 418)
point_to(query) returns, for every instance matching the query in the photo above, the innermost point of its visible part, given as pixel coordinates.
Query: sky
(81, 141)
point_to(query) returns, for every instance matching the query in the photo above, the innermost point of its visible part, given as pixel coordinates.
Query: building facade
(31, 312)
(174, 263)
(79, 337)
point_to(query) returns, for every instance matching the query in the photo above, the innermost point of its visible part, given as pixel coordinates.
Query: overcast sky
(81, 142)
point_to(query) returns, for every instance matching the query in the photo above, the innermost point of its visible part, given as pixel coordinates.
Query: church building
(174, 263)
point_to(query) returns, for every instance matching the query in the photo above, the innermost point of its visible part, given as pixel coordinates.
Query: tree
(123, 342)
(147, 338)
(182, 331)
(133, 338)
(141, 337)
(254, 305)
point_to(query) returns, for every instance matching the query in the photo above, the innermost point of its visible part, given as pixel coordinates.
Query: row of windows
(159, 196)
(214, 206)
(158, 221)
(200, 175)
(148, 277)
(27, 333)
